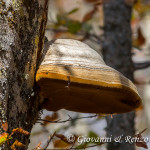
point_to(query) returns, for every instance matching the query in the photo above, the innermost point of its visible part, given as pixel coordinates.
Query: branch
(86, 34)
(85, 147)
(140, 132)
(50, 139)
(69, 119)
(142, 65)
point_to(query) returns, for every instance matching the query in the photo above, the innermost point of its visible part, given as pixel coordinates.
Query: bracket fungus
(73, 76)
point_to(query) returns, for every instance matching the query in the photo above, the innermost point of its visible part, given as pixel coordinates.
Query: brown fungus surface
(73, 76)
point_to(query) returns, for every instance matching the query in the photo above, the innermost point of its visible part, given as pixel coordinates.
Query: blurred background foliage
(83, 20)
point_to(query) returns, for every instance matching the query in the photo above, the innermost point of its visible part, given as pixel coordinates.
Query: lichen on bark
(22, 22)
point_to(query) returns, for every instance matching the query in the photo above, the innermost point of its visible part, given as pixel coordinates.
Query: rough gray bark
(22, 28)
(117, 54)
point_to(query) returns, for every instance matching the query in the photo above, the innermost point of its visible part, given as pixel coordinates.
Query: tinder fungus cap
(73, 76)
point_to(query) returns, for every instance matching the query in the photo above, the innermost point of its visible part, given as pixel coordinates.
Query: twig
(86, 34)
(50, 139)
(69, 119)
(85, 147)
(142, 65)
(140, 132)
(38, 146)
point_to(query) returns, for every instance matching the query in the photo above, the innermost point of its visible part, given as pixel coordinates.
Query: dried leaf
(60, 144)
(96, 2)
(20, 130)
(16, 143)
(141, 142)
(5, 126)
(90, 14)
(65, 139)
(62, 137)
(53, 117)
(130, 2)
(58, 35)
(140, 39)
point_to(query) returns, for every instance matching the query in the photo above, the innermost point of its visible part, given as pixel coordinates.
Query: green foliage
(73, 11)
(4, 138)
(72, 26)
(86, 27)
(82, 146)
(92, 134)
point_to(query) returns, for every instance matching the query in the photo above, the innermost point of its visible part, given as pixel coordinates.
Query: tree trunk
(22, 29)
(117, 54)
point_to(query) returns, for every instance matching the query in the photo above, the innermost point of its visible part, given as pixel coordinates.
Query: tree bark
(22, 29)
(117, 54)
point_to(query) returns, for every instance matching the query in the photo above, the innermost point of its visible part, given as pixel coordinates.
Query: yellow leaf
(3, 138)
(16, 143)
(20, 130)
(60, 144)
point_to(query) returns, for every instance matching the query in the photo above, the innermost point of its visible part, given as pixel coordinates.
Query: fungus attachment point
(95, 87)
